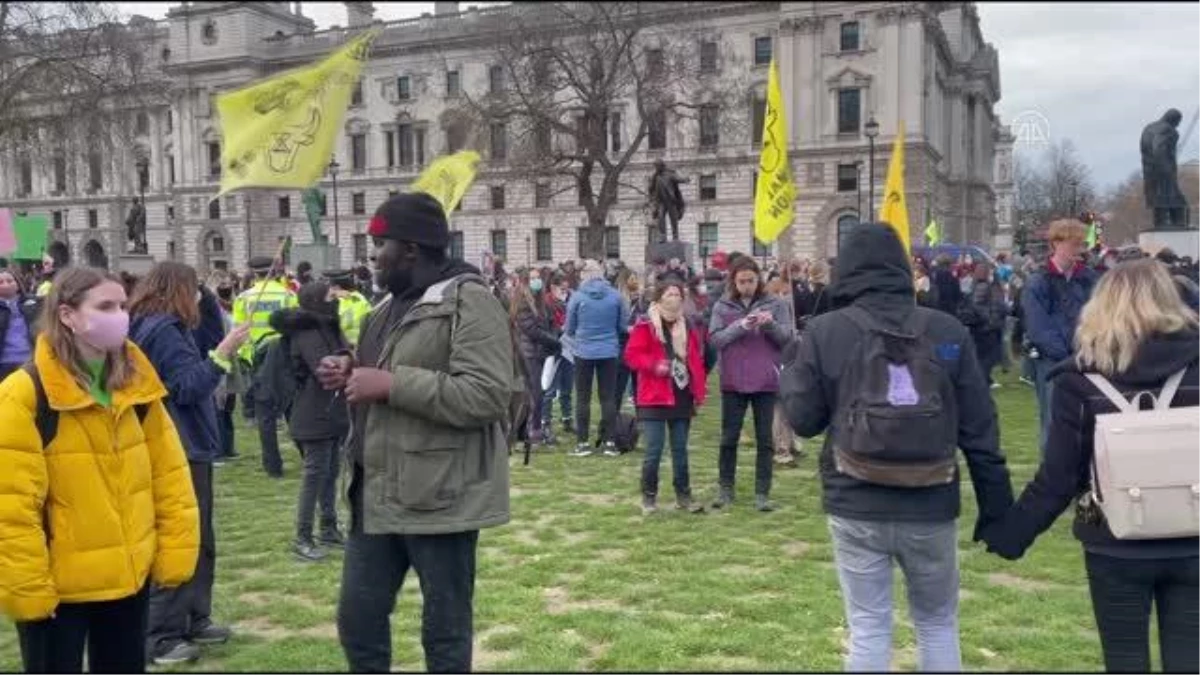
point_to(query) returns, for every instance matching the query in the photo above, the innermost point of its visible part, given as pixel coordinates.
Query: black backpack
(895, 422)
(46, 418)
(625, 432)
(276, 375)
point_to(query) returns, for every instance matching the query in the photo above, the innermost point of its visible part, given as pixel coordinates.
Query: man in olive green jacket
(429, 391)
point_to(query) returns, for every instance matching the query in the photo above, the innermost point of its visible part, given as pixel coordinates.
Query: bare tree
(1057, 186)
(576, 90)
(72, 74)
(1126, 212)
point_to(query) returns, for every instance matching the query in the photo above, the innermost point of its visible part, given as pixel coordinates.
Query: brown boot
(685, 503)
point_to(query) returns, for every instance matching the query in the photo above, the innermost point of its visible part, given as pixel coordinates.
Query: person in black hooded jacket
(319, 420)
(874, 525)
(1136, 332)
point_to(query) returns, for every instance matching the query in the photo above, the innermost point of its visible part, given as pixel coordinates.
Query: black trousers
(267, 416)
(225, 420)
(175, 613)
(604, 371)
(625, 377)
(322, 464)
(113, 633)
(1123, 593)
(373, 572)
(733, 413)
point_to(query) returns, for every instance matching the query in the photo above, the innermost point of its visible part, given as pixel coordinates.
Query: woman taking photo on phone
(750, 329)
(98, 501)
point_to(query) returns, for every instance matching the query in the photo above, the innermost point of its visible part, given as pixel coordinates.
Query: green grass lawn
(579, 580)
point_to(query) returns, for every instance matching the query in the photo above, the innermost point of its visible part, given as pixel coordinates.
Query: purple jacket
(749, 358)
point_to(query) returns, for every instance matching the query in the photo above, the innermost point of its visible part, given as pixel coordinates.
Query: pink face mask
(105, 331)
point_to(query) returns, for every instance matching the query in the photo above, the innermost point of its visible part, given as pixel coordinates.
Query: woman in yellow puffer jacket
(86, 522)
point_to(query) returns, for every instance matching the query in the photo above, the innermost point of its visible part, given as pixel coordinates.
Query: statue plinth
(665, 250)
(137, 264)
(1182, 242)
(321, 256)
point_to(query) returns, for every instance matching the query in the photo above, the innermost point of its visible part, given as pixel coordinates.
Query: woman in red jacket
(668, 357)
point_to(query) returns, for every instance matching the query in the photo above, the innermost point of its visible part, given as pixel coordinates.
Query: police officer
(255, 305)
(352, 306)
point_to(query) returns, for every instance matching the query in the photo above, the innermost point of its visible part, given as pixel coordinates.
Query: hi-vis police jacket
(256, 304)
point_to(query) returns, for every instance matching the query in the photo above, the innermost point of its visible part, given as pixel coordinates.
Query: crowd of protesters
(410, 378)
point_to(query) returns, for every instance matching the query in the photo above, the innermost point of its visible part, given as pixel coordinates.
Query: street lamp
(858, 184)
(872, 130)
(337, 228)
(67, 232)
(1074, 200)
(143, 165)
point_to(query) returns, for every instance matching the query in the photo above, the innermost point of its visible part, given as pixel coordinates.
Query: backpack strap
(861, 318)
(45, 417)
(1112, 394)
(917, 322)
(1169, 390)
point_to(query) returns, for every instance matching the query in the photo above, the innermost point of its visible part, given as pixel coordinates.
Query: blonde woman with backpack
(1138, 336)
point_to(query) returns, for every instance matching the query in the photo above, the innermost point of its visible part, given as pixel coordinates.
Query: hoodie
(313, 334)
(191, 379)
(873, 273)
(1065, 472)
(596, 318)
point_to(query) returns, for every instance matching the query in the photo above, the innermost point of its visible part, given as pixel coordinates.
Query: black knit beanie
(413, 217)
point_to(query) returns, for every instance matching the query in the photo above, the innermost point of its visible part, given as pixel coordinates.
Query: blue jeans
(1043, 389)
(928, 556)
(563, 388)
(655, 432)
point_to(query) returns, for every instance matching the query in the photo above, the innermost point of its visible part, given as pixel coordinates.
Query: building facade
(1004, 186)
(841, 64)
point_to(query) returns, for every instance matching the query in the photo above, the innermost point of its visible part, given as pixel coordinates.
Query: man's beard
(398, 282)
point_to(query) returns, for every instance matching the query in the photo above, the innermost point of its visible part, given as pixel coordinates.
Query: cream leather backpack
(1146, 470)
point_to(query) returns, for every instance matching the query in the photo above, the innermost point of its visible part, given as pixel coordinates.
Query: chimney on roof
(359, 14)
(444, 8)
(296, 9)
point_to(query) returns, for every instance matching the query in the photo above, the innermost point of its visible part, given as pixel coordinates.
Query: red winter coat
(644, 351)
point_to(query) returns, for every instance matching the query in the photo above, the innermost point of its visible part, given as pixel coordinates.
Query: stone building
(1004, 187)
(841, 64)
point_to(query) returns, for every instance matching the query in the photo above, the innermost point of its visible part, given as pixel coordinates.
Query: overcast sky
(1094, 73)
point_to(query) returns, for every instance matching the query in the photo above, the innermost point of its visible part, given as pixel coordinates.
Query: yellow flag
(775, 194)
(448, 178)
(279, 133)
(894, 210)
(933, 233)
